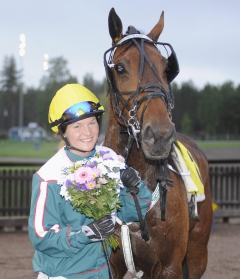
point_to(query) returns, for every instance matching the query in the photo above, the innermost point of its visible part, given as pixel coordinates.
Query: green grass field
(219, 144)
(28, 149)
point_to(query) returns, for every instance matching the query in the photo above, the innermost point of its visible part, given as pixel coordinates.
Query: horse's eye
(119, 68)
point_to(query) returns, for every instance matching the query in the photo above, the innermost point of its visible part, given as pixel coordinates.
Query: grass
(219, 144)
(28, 149)
(46, 149)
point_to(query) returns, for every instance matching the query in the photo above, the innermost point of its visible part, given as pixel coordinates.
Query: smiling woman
(78, 193)
(82, 134)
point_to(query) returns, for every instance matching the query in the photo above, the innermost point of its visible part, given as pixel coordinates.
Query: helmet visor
(80, 109)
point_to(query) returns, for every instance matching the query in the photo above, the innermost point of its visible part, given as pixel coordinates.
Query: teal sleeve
(128, 212)
(54, 227)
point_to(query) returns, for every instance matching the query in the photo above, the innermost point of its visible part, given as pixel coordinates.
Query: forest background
(208, 113)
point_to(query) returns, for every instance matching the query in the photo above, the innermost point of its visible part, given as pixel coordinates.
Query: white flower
(103, 169)
(98, 160)
(119, 164)
(108, 163)
(114, 175)
(64, 193)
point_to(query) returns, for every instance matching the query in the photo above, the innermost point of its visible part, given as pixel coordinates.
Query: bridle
(154, 90)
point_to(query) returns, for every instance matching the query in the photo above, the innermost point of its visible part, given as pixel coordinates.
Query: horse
(139, 126)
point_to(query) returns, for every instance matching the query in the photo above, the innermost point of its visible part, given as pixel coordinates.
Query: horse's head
(139, 83)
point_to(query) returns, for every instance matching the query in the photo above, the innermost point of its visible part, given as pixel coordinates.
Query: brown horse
(140, 103)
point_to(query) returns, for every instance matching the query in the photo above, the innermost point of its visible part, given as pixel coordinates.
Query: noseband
(154, 90)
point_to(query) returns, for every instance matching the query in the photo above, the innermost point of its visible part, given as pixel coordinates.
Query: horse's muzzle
(157, 143)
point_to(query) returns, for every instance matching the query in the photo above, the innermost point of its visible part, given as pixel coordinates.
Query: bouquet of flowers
(92, 185)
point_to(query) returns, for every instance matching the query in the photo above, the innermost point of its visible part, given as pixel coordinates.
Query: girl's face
(83, 134)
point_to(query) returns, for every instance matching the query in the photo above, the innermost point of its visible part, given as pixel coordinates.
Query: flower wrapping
(92, 186)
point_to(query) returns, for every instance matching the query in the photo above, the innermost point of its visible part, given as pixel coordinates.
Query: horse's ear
(157, 30)
(114, 26)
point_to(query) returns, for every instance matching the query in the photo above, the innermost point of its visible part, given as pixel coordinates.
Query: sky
(204, 34)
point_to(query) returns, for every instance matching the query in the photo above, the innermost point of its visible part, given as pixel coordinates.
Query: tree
(30, 101)
(99, 89)
(57, 76)
(186, 101)
(10, 86)
(95, 86)
(230, 113)
(186, 124)
(208, 109)
(57, 73)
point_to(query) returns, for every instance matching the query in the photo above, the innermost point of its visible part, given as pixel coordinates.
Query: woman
(68, 244)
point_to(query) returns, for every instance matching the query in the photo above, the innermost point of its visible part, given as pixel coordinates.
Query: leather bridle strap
(143, 224)
(127, 148)
(151, 93)
(163, 181)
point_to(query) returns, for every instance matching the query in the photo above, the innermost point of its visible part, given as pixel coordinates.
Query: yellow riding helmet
(71, 103)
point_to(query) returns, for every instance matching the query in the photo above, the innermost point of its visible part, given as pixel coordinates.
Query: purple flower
(68, 183)
(104, 152)
(107, 157)
(91, 165)
(81, 187)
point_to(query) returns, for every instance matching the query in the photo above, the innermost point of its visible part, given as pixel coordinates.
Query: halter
(154, 90)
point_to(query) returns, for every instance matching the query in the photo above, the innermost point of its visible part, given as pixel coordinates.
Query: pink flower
(96, 172)
(83, 174)
(91, 185)
(121, 159)
(103, 180)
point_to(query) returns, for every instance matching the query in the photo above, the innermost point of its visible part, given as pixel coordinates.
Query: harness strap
(143, 223)
(127, 148)
(127, 252)
(162, 179)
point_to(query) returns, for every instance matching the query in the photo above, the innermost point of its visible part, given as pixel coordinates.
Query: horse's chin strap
(163, 181)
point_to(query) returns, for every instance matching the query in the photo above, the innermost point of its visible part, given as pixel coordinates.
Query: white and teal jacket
(55, 228)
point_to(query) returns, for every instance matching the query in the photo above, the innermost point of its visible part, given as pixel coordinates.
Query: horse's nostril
(151, 135)
(148, 134)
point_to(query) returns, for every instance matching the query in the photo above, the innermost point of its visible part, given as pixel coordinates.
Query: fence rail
(15, 190)
(225, 190)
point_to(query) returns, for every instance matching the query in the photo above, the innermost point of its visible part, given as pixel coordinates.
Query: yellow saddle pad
(189, 171)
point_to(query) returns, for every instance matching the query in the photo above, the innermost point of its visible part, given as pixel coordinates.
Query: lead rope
(127, 250)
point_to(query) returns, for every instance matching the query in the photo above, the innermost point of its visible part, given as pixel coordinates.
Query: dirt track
(224, 254)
